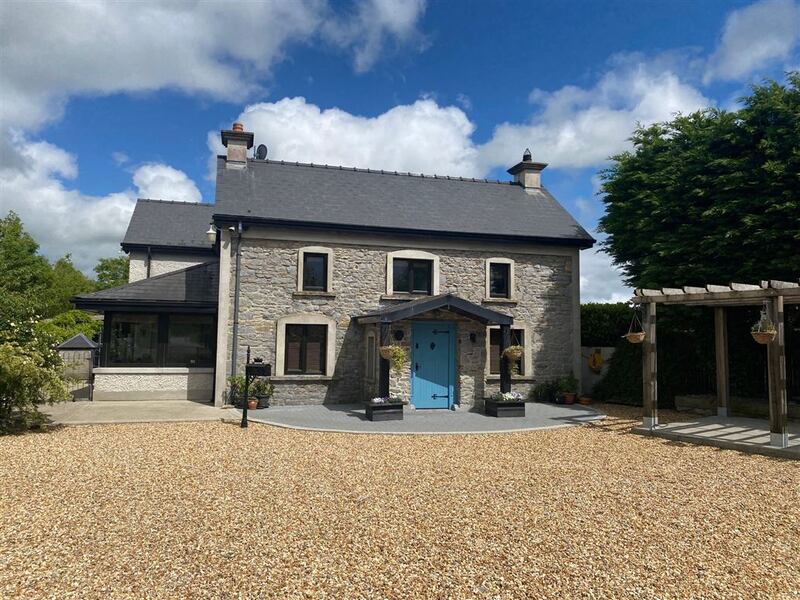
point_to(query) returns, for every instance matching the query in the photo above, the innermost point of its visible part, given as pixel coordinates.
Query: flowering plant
(507, 397)
(387, 400)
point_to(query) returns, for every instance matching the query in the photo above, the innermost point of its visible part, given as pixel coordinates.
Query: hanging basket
(514, 352)
(386, 352)
(635, 337)
(763, 337)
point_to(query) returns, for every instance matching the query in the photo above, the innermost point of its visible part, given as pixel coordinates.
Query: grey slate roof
(77, 342)
(165, 223)
(330, 196)
(195, 286)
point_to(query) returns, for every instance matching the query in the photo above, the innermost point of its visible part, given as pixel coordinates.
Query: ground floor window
(517, 339)
(306, 348)
(159, 340)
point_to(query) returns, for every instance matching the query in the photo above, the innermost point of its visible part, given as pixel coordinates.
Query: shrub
(27, 378)
(604, 324)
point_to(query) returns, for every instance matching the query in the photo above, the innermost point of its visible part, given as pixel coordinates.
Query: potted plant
(585, 400)
(545, 391)
(397, 355)
(568, 386)
(508, 404)
(763, 330)
(385, 408)
(235, 390)
(262, 389)
(514, 353)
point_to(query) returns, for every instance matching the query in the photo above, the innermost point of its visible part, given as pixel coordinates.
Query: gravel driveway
(210, 510)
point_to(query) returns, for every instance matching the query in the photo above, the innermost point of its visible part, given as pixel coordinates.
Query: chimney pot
(528, 173)
(526, 156)
(238, 127)
(238, 142)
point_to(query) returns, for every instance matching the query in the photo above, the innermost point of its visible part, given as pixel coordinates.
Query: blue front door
(433, 364)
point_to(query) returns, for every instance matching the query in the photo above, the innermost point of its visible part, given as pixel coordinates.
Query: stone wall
(118, 383)
(161, 262)
(545, 300)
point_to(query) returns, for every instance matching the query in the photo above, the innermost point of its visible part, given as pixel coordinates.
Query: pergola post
(721, 352)
(776, 371)
(383, 365)
(505, 365)
(649, 373)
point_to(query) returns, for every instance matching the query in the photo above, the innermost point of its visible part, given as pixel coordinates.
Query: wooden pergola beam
(721, 355)
(776, 371)
(649, 368)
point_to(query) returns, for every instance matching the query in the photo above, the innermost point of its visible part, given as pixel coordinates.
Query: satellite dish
(261, 152)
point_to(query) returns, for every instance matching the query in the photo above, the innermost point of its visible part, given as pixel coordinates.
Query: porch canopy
(415, 308)
(773, 295)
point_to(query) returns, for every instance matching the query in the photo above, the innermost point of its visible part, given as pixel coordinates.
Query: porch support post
(649, 373)
(505, 367)
(383, 365)
(776, 370)
(721, 347)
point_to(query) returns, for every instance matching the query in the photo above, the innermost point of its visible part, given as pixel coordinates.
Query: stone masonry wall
(544, 300)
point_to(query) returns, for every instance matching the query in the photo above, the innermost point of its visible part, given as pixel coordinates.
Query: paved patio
(735, 433)
(133, 411)
(351, 418)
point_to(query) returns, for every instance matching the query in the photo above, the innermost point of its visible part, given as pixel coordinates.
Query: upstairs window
(315, 272)
(499, 280)
(306, 349)
(412, 276)
(517, 339)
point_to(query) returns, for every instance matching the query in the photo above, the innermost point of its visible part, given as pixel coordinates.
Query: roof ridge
(162, 201)
(435, 176)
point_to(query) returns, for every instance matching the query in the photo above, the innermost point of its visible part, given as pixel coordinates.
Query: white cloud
(754, 37)
(600, 280)
(62, 219)
(120, 158)
(582, 127)
(162, 182)
(418, 137)
(375, 23)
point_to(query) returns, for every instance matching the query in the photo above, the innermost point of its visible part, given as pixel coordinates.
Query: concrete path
(351, 418)
(134, 411)
(734, 433)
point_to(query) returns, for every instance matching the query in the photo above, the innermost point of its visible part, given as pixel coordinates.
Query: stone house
(316, 267)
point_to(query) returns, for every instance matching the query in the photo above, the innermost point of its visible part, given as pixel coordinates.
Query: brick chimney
(528, 173)
(237, 141)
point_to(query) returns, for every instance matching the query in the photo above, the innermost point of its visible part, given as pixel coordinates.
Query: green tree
(711, 197)
(67, 281)
(111, 272)
(25, 275)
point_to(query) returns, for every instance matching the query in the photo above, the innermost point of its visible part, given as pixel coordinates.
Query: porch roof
(421, 306)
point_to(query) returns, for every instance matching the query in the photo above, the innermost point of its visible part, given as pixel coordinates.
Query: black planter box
(384, 412)
(505, 409)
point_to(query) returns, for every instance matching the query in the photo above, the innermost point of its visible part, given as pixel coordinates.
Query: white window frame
(512, 288)
(527, 365)
(300, 260)
(305, 319)
(414, 255)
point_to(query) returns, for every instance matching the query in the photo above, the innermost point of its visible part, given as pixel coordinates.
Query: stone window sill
(507, 301)
(404, 297)
(327, 295)
(519, 378)
(152, 370)
(300, 378)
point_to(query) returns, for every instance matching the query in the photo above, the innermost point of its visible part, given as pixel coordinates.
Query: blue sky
(113, 101)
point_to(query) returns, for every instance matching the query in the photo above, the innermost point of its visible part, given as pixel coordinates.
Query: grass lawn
(210, 510)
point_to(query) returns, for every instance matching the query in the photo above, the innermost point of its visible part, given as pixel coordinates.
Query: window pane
(401, 273)
(315, 349)
(517, 339)
(190, 341)
(315, 272)
(294, 341)
(422, 276)
(133, 340)
(499, 277)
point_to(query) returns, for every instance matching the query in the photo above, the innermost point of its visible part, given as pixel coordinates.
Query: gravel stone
(208, 510)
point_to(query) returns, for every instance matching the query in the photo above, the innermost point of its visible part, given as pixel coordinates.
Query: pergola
(774, 295)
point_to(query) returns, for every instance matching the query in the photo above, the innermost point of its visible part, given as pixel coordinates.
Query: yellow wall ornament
(596, 361)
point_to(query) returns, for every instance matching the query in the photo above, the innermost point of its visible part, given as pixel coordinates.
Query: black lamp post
(257, 368)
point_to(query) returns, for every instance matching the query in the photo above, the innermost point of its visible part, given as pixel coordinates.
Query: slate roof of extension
(194, 287)
(280, 192)
(165, 223)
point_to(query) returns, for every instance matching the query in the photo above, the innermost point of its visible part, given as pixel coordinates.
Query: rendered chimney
(237, 141)
(528, 173)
